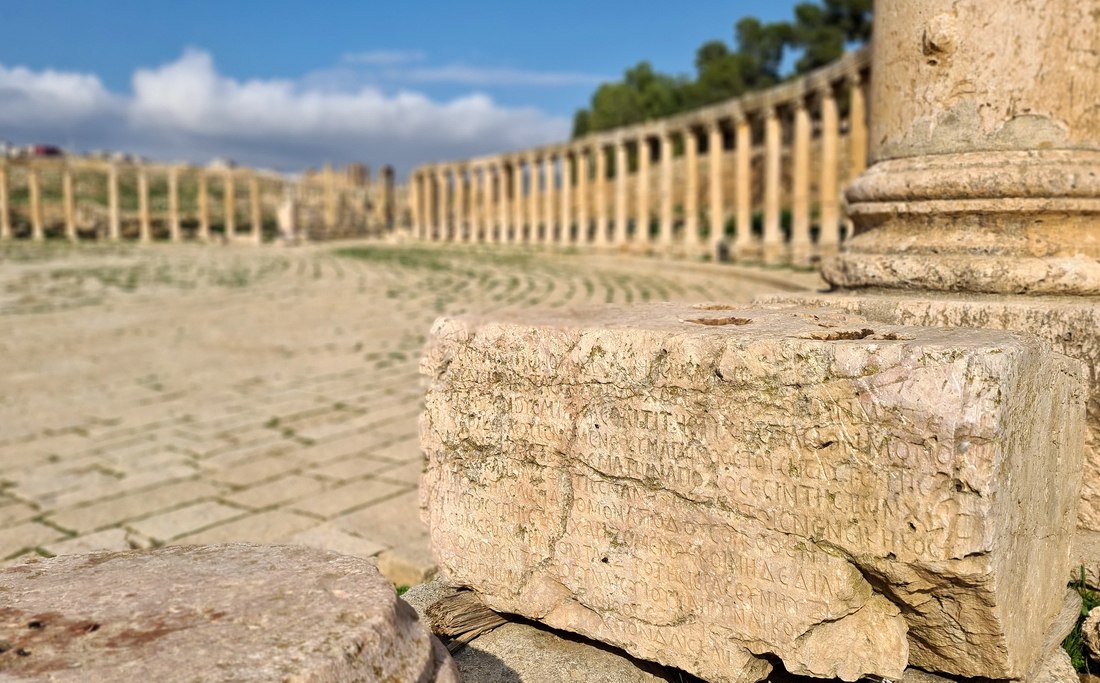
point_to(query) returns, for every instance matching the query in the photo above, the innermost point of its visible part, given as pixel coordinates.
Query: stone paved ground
(194, 394)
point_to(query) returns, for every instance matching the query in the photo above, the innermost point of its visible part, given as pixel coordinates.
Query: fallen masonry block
(712, 487)
(211, 613)
(1071, 325)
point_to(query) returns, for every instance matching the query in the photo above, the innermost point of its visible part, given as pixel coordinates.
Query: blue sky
(294, 84)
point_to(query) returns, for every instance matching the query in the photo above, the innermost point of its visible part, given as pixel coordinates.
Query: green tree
(820, 33)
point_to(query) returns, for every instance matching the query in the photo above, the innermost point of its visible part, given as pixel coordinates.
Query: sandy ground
(190, 394)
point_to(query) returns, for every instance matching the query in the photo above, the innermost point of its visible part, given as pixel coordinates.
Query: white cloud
(384, 57)
(487, 76)
(187, 109)
(51, 96)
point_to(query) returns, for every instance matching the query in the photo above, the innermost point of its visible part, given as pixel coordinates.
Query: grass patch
(404, 257)
(1074, 644)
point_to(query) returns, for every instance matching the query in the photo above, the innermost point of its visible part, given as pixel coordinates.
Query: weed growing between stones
(1074, 644)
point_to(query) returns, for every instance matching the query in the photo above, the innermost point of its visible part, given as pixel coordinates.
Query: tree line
(819, 33)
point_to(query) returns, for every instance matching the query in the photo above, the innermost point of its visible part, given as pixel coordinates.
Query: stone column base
(1004, 222)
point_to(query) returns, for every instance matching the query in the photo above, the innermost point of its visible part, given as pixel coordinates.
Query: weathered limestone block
(1070, 325)
(211, 613)
(708, 486)
(533, 654)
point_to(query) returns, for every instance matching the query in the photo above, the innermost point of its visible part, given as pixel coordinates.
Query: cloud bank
(187, 110)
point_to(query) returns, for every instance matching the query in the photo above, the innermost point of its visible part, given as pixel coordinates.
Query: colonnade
(757, 178)
(77, 198)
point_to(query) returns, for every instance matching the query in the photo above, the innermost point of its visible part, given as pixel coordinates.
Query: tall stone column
(5, 203)
(114, 219)
(743, 242)
(231, 207)
(716, 210)
(442, 203)
(144, 221)
(980, 207)
(828, 240)
(517, 200)
(857, 127)
(666, 188)
(502, 201)
(601, 195)
(414, 204)
(461, 211)
(34, 190)
(425, 210)
(641, 232)
(472, 212)
(986, 175)
(331, 201)
(69, 198)
(773, 234)
(548, 198)
(255, 210)
(584, 167)
(485, 177)
(565, 232)
(621, 179)
(692, 238)
(174, 204)
(800, 195)
(204, 206)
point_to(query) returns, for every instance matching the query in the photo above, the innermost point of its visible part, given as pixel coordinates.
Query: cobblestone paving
(185, 394)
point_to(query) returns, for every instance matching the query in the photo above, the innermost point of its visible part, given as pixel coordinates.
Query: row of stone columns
(543, 197)
(33, 172)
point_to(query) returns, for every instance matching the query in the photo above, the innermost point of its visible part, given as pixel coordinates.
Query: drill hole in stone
(36, 624)
(23, 652)
(715, 322)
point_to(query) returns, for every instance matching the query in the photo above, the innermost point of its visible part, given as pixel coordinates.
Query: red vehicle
(46, 151)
